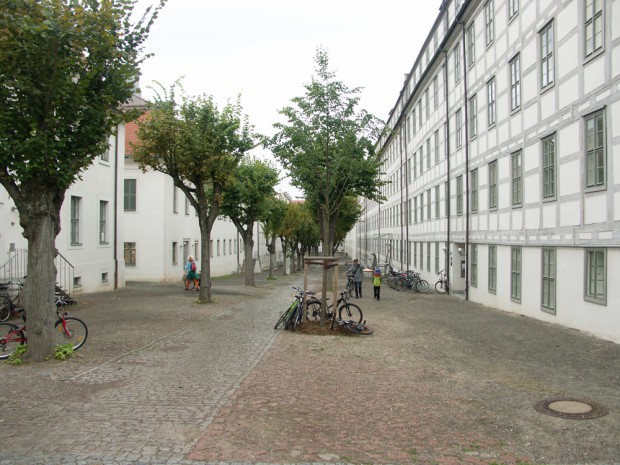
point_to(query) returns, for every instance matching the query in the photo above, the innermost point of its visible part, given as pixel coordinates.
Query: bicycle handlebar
(301, 291)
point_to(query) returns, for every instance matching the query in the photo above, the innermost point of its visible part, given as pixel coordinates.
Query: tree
(66, 68)
(271, 224)
(327, 147)
(199, 147)
(307, 233)
(286, 232)
(350, 213)
(248, 200)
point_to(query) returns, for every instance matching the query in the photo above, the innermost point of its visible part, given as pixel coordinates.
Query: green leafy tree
(350, 213)
(248, 200)
(270, 226)
(328, 148)
(66, 68)
(286, 232)
(307, 233)
(199, 147)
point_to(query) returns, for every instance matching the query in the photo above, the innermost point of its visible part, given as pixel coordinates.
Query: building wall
(438, 156)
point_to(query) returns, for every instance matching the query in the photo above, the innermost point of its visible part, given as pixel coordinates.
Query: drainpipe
(116, 209)
(447, 135)
(466, 164)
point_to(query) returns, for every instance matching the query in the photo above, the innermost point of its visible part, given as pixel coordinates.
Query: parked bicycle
(442, 286)
(8, 302)
(346, 309)
(294, 313)
(68, 329)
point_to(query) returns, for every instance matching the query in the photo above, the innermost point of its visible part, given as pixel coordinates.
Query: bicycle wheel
(313, 309)
(5, 310)
(292, 317)
(284, 317)
(349, 311)
(357, 328)
(11, 337)
(75, 334)
(401, 284)
(422, 286)
(439, 287)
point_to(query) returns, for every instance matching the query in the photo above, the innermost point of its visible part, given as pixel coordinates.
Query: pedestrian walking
(358, 275)
(192, 273)
(376, 283)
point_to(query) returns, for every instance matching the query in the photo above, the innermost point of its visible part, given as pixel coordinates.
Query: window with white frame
(422, 207)
(175, 199)
(459, 128)
(471, 45)
(428, 257)
(129, 253)
(437, 146)
(474, 190)
(429, 214)
(129, 195)
(489, 24)
(492, 268)
(428, 153)
(548, 279)
(103, 222)
(547, 73)
(415, 209)
(513, 8)
(174, 253)
(515, 273)
(436, 257)
(515, 83)
(473, 116)
(75, 233)
(421, 255)
(594, 36)
(435, 92)
(427, 102)
(517, 178)
(548, 163)
(457, 63)
(437, 204)
(596, 276)
(493, 185)
(473, 265)
(186, 205)
(491, 105)
(595, 149)
(459, 195)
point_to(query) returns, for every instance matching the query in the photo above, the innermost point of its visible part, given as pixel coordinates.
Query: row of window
(223, 247)
(75, 222)
(595, 274)
(130, 195)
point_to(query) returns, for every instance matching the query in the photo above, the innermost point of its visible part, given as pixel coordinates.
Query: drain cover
(571, 409)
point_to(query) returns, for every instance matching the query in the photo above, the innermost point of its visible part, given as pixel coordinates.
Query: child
(376, 282)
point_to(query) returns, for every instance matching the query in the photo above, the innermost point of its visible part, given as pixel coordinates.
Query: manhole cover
(571, 409)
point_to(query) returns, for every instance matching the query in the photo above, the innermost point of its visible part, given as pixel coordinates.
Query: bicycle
(68, 330)
(442, 286)
(293, 314)
(345, 309)
(355, 327)
(7, 303)
(349, 286)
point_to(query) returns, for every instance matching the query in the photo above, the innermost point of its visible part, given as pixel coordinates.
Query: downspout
(466, 164)
(116, 209)
(447, 243)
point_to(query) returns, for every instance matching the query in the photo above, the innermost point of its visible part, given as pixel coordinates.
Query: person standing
(358, 275)
(376, 282)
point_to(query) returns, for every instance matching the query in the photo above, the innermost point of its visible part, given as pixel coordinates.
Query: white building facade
(503, 161)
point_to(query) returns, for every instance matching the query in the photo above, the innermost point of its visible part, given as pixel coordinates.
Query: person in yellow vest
(376, 282)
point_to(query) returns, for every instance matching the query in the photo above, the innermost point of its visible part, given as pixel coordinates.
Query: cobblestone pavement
(162, 380)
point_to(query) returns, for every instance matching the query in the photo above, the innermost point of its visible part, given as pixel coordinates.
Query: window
(471, 45)
(76, 206)
(595, 149)
(421, 255)
(459, 195)
(492, 269)
(548, 280)
(515, 272)
(546, 56)
(473, 116)
(594, 26)
(457, 63)
(515, 84)
(513, 8)
(186, 205)
(435, 92)
(459, 128)
(437, 146)
(596, 276)
(491, 107)
(103, 222)
(548, 162)
(493, 185)
(174, 253)
(415, 209)
(422, 207)
(420, 113)
(428, 204)
(211, 248)
(130, 195)
(428, 153)
(436, 257)
(104, 278)
(230, 249)
(446, 189)
(421, 159)
(427, 102)
(474, 190)
(517, 179)
(414, 121)
(175, 199)
(197, 250)
(437, 206)
(105, 156)
(489, 26)
(130, 253)
(473, 265)
(428, 256)
(415, 255)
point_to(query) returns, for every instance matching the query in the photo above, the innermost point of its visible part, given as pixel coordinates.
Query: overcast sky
(264, 49)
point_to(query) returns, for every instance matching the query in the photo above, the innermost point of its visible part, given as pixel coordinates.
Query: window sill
(592, 300)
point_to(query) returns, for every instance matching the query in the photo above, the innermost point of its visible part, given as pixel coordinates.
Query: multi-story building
(502, 161)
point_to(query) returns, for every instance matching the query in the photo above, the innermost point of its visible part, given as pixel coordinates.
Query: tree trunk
(271, 247)
(284, 252)
(40, 218)
(206, 226)
(248, 247)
